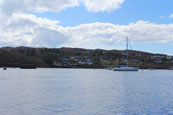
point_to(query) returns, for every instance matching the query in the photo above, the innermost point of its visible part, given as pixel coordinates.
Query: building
(87, 62)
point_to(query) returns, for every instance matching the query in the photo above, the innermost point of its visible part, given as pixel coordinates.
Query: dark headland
(80, 58)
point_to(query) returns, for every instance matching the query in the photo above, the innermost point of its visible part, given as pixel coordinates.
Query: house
(87, 62)
(158, 61)
(169, 57)
(76, 57)
(64, 58)
(57, 64)
(158, 56)
(103, 60)
(139, 55)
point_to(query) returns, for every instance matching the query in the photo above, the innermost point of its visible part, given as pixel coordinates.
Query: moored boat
(28, 66)
(126, 68)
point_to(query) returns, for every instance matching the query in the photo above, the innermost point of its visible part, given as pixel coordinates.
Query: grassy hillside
(76, 57)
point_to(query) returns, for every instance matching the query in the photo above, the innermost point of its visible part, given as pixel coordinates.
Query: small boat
(28, 66)
(170, 68)
(109, 68)
(151, 68)
(126, 68)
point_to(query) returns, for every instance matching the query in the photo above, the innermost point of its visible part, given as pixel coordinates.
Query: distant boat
(127, 68)
(4, 68)
(109, 68)
(170, 68)
(28, 66)
(151, 68)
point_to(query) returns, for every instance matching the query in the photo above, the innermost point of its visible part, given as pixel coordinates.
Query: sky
(89, 24)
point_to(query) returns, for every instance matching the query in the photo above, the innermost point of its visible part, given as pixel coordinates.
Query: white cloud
(19, 18)
(19, 6)
(26, 29)
(104, 35)
(8, 7)
(102, 5)
(162, 17)
(29, 30)
(171, 16)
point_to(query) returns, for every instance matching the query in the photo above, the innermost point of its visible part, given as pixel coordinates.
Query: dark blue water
(85, 92)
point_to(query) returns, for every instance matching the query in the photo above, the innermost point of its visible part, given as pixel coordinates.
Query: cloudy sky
(88, 24)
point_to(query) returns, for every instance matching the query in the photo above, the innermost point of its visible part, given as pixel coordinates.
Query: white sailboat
(127, 68)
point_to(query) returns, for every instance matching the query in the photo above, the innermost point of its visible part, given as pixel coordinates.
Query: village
(136, 59)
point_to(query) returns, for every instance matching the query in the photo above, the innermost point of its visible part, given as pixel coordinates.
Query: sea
(85, 92)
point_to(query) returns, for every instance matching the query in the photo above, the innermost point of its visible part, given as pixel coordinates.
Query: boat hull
(125, 69)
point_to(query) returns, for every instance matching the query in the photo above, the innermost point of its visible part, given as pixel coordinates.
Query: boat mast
(127, 53)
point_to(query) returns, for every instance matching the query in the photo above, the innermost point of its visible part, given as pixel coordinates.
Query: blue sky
(130, 11)
(88, 24)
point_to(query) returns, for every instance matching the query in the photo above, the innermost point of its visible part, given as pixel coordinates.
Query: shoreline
(81, 68)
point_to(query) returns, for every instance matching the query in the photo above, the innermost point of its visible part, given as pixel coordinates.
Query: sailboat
(127, 68)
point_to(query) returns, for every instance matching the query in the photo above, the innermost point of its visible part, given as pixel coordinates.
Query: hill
(80, 58)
